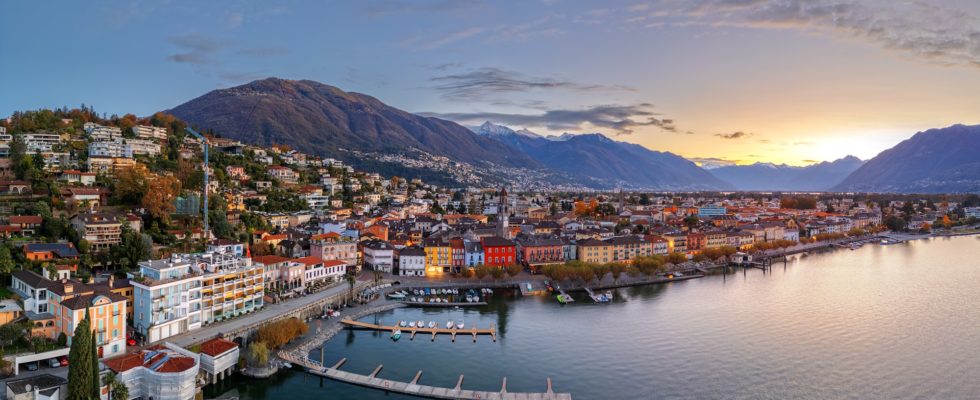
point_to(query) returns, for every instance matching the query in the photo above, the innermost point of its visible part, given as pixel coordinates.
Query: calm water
(881, 322)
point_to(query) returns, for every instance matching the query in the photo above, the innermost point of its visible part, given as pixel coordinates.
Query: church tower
(503, 214)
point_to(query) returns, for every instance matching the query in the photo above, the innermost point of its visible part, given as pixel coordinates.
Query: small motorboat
(489, 291)
(411, 324)
(455, 291)
(397, 334)
(427, 292)
(415, 292)
(484, 290)
(459, 325)
(432, 324)
(287, 365)
(420, 324)
(609, 294)
(469, 299)
(396, 296)
(402, 324)
(449, 325)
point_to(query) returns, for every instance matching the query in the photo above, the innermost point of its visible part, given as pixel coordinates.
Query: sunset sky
(736, 80)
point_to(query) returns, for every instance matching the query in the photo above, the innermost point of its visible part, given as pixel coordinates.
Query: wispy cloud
(941, 35)
(264, 51)
(194, 48)
(734, 135)
(380, 8)
(712, 162)
(486, 83)
(614, 119)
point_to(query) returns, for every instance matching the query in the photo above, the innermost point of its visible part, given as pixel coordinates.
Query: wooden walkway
(492, 331)
(415, 389)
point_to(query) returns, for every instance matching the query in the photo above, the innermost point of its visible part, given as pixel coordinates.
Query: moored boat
(432, 324)
(449, 325)
(459, 325)
(397, 334)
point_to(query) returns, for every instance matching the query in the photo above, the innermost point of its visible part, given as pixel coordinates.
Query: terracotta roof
(309, 260)
(217, 346)
(270, 259)
(157, 358)
(333, 263)
(25, 219)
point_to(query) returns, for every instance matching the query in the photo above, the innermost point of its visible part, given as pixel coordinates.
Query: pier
(422, 330)
(441, 304)
(414, 388)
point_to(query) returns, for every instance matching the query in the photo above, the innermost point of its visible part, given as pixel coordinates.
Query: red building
(498, 251)
(695, 241)
(541, 250)
(457, 252)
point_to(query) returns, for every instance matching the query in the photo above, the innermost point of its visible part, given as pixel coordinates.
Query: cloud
(802, 143)
(811, 161)
(937, 34)
(615, 119)
(195, 49)
(453, 37)
(734, 135)
(486, 83)
(712, 162)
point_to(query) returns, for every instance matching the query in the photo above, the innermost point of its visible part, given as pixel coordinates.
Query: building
(438, 255)
(711, 211)
(110, 148)
(109, 165)
(498, 251)
(28, 224)
(102, 231)
(537, 250)
(411, 261)
(283, 174)
(219, 358)
(378, 255)
(595, 251)
(273, 270)
(628, 248)
(158, 372)
(334, 246)
(150, 132)
(187, 291)
(38, 387)
(40, 142)
(969, 212)
(473, 253)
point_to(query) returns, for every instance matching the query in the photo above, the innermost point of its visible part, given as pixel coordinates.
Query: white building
(411, 261)
(109, 148)
(99, 133)
(218, 359)
(379, 255)
(158, 372)
(187, 291)
(40, 142)
(150, 132)
(971, 212)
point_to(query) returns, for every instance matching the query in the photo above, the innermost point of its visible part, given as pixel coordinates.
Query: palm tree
(351, 280)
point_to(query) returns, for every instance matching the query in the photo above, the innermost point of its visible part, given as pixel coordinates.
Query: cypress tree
(94, 355)
(80, 368)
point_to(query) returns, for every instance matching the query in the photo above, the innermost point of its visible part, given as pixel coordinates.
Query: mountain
(490, 129)
(614, 163)
(945, 160)
(768, 176)
(320, 119)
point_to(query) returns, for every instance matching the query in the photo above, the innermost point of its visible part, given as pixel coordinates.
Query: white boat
(449, 325)
(489, 291)
(469, 299)
(459, 325)
(402, 323)
(397, 334)
(484, 290)
(432, 324)
(420, 324)
(411, 324)
(396, 296)
(455, 291)
(287, 365)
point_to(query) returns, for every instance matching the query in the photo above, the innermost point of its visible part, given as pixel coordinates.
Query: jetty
(414, 388)
(474, 332)
(441, 304)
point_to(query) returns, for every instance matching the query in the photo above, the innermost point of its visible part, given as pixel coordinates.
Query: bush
(278, 333)
(62, 339)
(513, 269)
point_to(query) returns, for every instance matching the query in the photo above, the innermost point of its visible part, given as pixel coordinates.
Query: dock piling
(459, 383)
(503, 386)
(376, 370)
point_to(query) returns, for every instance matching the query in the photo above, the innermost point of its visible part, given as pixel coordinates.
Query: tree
(131, 184)
(895, 223)
(258, 354)
(133, 248)
(6, 262)
(117, 390)
(692, 221)
(80, 375)
(351, 280)
(513, 269)
(159, 197)
(676, 257)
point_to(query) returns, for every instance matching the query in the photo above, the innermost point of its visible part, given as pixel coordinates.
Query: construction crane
(204, 141)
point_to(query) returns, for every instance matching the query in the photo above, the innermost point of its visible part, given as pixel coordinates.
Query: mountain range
(767, 176)
(945, 160)
(324, 120)
(597, 156)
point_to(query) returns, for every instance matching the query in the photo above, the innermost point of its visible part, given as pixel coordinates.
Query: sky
(717, 81)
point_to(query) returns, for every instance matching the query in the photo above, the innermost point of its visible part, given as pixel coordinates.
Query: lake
(881, 322)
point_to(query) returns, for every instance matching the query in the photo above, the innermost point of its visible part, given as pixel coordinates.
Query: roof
(309, 260)
(270, 259)
(83, 301)
(60, 249)
(39, 382)
(412, 251)
(592, 242)
(217, 346)
(334, 263)
(157, 358)
(25, 219)
(496, 241)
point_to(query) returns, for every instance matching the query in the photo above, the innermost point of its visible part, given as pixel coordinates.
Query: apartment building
(150, 132)
(187, 291)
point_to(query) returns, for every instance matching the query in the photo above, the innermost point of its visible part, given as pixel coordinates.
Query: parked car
(54, 363)
(31, 366)
(64, 361)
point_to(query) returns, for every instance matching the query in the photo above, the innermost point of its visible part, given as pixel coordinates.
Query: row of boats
(397, 333)
(432, 295)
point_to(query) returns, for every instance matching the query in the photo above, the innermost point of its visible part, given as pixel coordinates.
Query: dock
(453, 332)
(440, 304)
(564, 298)
(595, 297)
(414, 388)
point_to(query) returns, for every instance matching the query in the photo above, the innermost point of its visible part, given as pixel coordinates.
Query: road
(268, 311)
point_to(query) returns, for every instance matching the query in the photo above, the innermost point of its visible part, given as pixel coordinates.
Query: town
(135, 251)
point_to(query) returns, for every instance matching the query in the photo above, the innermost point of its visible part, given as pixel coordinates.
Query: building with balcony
(158, 372)
(184, 292)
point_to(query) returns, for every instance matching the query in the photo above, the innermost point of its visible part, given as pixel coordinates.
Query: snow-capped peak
(491, 129)
(564, 136)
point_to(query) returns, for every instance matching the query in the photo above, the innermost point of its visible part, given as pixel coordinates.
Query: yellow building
(438, 255)
(595, 251)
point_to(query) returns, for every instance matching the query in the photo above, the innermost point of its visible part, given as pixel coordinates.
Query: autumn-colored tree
(131, 184)
(676, 257)
(160, 195)
(278, 333)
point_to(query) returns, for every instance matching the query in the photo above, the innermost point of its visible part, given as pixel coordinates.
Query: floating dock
(441, 304)
(428, 331)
